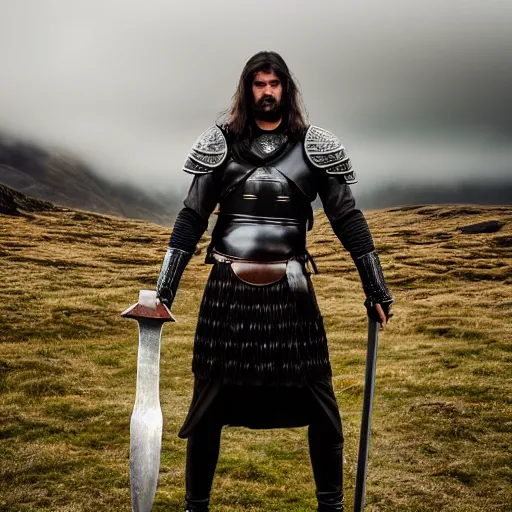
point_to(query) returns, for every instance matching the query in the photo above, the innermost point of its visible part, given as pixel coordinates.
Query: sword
(146, 420)
(364, 439)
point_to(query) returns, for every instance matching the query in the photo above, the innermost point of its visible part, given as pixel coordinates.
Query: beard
(267, 109)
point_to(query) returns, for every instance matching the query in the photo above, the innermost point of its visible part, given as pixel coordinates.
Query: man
(260, 352)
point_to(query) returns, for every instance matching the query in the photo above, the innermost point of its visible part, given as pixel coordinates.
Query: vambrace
(173, 266)
(187, 231)
(374, 285)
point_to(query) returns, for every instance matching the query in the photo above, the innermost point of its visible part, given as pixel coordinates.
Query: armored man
(260, 355)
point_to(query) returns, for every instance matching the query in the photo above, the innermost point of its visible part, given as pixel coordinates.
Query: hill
(476, 190)
(62, 179)
(442, 429)
(15, 203)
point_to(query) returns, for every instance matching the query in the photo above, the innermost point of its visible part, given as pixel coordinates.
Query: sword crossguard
(149, 307)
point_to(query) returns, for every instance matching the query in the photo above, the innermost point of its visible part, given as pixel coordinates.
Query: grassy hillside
(442, 429)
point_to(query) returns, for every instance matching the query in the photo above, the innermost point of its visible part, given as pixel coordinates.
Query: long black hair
(239, 114)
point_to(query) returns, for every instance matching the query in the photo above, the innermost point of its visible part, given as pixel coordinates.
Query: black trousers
(325, 449)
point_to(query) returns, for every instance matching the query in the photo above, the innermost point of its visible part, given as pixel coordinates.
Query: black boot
(326, 452)
(197, 506)
(330, 501)
(202, 453)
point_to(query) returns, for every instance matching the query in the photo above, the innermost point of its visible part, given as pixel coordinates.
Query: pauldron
(208, 152)
(324, 150)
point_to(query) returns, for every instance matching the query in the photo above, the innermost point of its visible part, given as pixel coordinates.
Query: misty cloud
(415, 90)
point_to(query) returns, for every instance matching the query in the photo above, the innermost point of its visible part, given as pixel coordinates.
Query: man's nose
(268, 90)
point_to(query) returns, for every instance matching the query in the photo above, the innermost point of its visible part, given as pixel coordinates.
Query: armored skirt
(260, 357)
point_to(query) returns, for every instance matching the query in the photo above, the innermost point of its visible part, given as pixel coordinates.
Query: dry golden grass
(441, 436)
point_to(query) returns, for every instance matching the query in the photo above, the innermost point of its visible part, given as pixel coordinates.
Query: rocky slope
(64, 180)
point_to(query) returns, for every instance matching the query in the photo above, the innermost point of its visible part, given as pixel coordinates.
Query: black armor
(173, 266)
(325, 151)
(265, 204)
(265, 217)
(264, 187)
(208, 152)
(260, 351)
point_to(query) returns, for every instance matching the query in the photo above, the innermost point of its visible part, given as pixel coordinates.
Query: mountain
(63, 179)
(468, 191)
(16, 203)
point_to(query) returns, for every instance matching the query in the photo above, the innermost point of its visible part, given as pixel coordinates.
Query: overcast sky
(414, 89)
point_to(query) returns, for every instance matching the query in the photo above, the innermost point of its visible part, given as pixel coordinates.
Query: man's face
(267, 91)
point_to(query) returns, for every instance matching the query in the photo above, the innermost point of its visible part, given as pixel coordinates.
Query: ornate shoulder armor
(325, 152)
(208, 152)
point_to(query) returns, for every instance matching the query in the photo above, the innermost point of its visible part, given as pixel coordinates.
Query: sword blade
(364, 439)
(146, 420)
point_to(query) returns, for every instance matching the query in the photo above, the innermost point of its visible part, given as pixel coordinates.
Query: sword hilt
(149, 307)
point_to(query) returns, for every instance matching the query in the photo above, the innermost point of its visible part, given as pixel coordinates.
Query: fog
(416, 91)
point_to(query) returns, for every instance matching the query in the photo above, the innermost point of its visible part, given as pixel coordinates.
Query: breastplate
(292, 165)
(264, 193)
(264, 211)
(263, 219)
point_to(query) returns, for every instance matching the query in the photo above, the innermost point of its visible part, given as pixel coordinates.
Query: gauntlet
(174, 264)
(374, 285)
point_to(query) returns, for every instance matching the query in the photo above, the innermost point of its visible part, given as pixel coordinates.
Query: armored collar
(268, 145)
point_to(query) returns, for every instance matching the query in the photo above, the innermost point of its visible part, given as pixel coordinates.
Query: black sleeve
(188, 229)
(350, 226)
(347, 221)
(192, 220)
(203, 194)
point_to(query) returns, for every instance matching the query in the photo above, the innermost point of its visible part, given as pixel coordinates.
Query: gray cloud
(415, 90)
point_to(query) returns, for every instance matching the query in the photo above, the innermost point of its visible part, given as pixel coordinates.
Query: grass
(442, 426)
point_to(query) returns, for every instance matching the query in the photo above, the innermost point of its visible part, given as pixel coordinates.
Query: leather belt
(262, 273)
(257, 273)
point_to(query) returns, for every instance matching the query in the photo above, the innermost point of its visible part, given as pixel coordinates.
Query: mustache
(267, 100)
